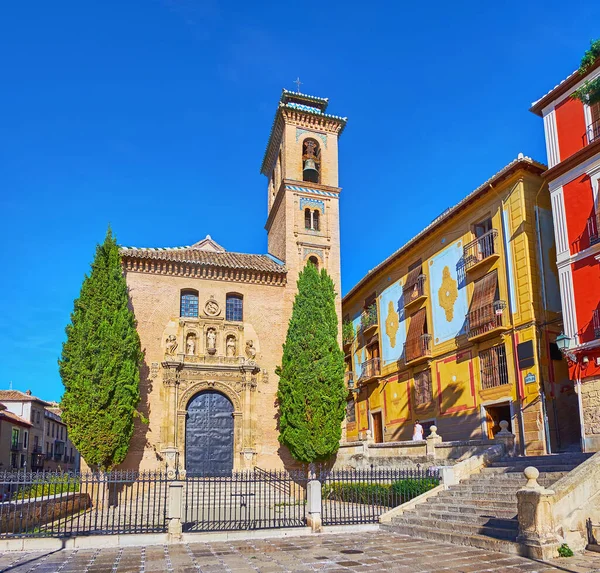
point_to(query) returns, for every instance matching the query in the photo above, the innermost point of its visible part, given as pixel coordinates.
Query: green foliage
(565, 551)
(389, 495)
(369, 316)
(311, 392)
(100, 363)
(589, 92)
(53, 485)
(347, 332)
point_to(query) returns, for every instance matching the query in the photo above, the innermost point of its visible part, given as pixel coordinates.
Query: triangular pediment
(207, 244)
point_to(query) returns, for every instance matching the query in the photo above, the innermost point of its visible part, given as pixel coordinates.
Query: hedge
(387, 494)
(52, 486)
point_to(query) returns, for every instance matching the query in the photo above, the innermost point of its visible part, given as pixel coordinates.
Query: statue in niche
(230, 346)
(190, 345)
(171, 344)
(211, 341)
(250, 350)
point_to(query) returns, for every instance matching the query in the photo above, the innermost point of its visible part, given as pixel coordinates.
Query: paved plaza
(358, 551)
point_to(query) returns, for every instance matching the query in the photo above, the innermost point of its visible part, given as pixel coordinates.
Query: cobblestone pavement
(340, 553)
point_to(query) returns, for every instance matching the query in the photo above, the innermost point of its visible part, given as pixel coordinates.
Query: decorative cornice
(570, 162)
(206, 272)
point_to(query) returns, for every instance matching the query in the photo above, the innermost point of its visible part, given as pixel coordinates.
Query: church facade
(212, 323)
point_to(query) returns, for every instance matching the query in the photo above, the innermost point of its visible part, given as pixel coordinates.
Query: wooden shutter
(481, 311)
(595, 112)
(416, 329)
(411, 290)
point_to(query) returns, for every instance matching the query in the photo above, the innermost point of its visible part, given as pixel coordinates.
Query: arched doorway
(209, 434)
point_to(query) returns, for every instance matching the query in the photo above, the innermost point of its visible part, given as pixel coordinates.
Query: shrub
(565, 551)
(589, 92)
(347, 332)
(53, 486)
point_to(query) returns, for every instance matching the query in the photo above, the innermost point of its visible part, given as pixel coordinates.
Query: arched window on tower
(307, 219)
(316, 221)
(314, 261)
(234, 307)
(189, 303)
(311, 161)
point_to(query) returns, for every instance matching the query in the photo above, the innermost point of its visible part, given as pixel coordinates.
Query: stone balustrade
(550, 517)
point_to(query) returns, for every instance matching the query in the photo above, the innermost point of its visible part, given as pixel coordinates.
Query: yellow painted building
(457, 327)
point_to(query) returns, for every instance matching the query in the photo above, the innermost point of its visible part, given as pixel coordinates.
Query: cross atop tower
(298, 84)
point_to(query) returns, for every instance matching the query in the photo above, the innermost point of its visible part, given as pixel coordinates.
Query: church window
(189, 303)
(316, 215)
(312, 219)
(234, 307)
(307, 218)
(314, 261)
(311, 161)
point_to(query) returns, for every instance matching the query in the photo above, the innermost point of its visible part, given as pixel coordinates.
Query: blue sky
(153, 115)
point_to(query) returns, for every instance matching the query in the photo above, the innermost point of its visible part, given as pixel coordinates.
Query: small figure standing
(417, 432)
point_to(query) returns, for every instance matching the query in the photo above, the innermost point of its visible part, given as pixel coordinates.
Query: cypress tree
(100, 363)
(311, 392)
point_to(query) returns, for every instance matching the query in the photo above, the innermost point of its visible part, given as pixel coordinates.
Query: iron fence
(361, 496)
(256, 499)
(57, 504)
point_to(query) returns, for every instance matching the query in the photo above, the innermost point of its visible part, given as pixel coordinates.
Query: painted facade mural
(448, 293)
(392, 326)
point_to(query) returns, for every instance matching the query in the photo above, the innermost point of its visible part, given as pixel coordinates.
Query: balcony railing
(368, 318)
(414, 292)
(421, 348)
(480, 249)
(596, 323)
(592, 227)
(487, 318)
(37, 462)
(36, 450)
(593, 131)
(370, 369)
(16, 446)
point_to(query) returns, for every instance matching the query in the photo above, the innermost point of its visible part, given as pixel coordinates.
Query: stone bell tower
(301, 163)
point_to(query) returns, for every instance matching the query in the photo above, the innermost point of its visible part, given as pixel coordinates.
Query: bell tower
(301, 164)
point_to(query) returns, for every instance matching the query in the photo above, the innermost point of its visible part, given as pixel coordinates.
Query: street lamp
(564, 343)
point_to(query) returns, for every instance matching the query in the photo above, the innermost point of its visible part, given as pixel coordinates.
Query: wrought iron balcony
(486, 320)
(481, 249)
(368, 318)
(418, 350)
(593, 131)
(37, 462)
(596, 323)
(16, 446)
(592, 228)
(415, 292)
(369, 370)
(36, 450)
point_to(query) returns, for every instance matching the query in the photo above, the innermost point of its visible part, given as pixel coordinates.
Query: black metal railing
(593, 131)
(592, 228)
(16, 446)
(415, 291)
(368, 317)
(596, 323)
(55, 504)
(245, 500)
(370, 369)
(361, 496)
(480, 249)
(486, 318)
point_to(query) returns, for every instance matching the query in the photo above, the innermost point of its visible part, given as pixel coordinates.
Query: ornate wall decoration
(211, 341)
(392, 323)
(313, 203)
(231, 346)
(318, 252)
(190, 344)
(171, 344)
(154, 369)
(211, 307)
(301, 131)
(250, 350)
(448, 293)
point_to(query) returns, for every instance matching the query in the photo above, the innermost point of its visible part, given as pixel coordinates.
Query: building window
(350, 412)
(486, 310)
(311, 161)
(316, 220)
(494, 370)
(234, 307)
(15, 438)
(312, 220)
(314, 261)
(25, 440)
(22, 461)
(307, 218)
(52, 430)
(189, 303)
(418, 341)
(423, 388)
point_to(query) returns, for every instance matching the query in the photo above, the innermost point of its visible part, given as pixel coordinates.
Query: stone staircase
(482, 511)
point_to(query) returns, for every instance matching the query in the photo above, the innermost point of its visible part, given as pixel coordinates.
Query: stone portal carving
(231, 346)
(171, 344)
(211, 308)
(190, 344)
(211, 341)
(250, 350)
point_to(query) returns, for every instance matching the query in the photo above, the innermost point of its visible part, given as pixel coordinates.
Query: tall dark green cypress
(311, 393)
(100, 363)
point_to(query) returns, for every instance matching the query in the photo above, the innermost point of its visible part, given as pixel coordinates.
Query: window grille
(189, 303)
(423, 388)
(494, 370)
(234, 307)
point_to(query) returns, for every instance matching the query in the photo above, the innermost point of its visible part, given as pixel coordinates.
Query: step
(491, 474)
(479, 541)
(542, 468)
(508, 530)
(488, 504)
(464, 496)
(472, 510)
(490, 520)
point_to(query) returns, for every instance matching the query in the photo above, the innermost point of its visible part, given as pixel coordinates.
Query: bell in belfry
(310, 172)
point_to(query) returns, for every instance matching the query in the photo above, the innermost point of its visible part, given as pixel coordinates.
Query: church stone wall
(156, 300)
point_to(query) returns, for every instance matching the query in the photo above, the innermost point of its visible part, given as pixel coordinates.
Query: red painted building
(572, 132)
